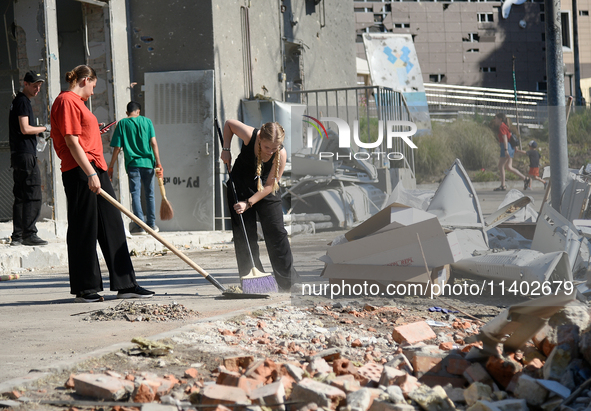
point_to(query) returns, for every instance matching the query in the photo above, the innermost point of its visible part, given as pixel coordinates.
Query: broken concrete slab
(521, 322)
(102, 386)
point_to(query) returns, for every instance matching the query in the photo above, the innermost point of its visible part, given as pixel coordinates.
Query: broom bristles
(257, 282)
(166, 211)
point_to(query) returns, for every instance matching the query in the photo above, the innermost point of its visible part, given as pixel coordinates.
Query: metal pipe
(556, 106)
(578, 94)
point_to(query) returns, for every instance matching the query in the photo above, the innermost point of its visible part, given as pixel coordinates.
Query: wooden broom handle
(158, 237)
(162, 190)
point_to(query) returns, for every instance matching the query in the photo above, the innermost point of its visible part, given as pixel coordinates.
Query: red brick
(102, 386)
(269, 395)
(413, 333)
(144, 393)
(191, 373)
(407, 383)
(262, 370)
(371, 372)
(503, 369)
(343, 366)
(424, 363)
(226, 377)
(446, 346)
(236, 363)
(221, 394)
(356, 343)
(70, 382)
(457, 366)
(248, 384)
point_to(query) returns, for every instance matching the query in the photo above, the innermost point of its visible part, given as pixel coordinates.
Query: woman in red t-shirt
(501, 124)
(77, 142)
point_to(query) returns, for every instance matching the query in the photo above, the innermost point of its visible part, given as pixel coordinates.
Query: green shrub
(482, 176)
(433, 156)
(579, 127)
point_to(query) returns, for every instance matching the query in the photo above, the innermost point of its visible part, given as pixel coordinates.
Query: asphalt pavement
(44, 331)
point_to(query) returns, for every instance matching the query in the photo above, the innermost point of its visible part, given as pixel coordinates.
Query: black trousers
(92, 218)
(27, 195)
(270, 216)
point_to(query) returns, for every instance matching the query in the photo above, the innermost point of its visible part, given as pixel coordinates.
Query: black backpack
(512, 140)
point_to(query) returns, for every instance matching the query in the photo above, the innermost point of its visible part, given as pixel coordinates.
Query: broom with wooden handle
(166, 211)
(226, 293)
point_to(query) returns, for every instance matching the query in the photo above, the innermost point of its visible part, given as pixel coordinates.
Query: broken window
(566, 32)
(436, 78)
(472, 38)
(486, 17)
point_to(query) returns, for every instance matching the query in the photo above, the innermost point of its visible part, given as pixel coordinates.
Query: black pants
(27, 195)
(271, 219)
(92, 218)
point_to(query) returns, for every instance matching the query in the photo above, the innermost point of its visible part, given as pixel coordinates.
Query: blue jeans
(138, 177)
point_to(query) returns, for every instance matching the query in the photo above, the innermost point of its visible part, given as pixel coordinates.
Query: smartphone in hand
(106, 127)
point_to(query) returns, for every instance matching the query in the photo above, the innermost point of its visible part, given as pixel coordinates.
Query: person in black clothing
(256, 174)
(534, 164)
(23, 160)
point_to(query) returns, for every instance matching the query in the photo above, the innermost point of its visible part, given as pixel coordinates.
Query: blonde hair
(274, 133)
(80, 72)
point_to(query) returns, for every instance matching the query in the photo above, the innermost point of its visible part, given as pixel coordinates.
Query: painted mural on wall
(393, 63)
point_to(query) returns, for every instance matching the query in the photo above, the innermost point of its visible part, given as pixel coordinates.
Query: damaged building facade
(186, 62)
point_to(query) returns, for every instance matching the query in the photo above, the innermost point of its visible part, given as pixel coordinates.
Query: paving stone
(413, 333)
(102, 386)
(432, 399)
(214, 394)
(477, 391)
(529, 390)
(270, 395)
(322, 394)
(359, 400)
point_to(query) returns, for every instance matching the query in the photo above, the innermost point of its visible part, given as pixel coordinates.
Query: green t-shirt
(133, 135)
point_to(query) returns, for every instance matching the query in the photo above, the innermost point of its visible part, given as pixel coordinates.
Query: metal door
(181, 104)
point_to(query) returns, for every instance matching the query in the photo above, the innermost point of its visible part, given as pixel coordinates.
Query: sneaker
(155, 228)
(526, 183)
(136, 230)
(34, 240)
(135, 292)
(88, 298)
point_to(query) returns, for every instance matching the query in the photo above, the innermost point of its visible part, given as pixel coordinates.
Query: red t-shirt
(70, 116)
(503, 130)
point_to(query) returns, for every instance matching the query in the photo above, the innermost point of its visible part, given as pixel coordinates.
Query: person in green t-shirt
(136, 135)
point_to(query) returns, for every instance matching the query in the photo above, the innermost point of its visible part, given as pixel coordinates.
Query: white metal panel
(181, 106)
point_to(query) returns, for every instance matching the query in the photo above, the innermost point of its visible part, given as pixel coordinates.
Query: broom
(166, 211)
(255, 282)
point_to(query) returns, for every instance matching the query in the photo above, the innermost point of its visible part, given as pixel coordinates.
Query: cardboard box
(393, 247)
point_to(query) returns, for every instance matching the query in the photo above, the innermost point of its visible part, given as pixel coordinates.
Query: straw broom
(166, 211)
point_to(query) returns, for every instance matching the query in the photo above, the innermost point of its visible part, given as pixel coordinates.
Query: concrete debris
(374, 370)
(136, 311)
